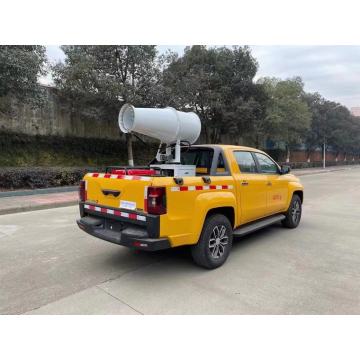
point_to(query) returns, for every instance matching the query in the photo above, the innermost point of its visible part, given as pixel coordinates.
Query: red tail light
(82, 190)
(156, 200)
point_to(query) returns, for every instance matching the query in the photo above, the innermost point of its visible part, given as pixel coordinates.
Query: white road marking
(7, 230)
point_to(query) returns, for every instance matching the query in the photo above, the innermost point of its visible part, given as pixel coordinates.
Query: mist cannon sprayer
(169, 126)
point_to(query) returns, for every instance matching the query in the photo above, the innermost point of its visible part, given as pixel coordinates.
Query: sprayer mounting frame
(169, 158)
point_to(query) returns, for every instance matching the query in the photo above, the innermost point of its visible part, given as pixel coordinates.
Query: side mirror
(285, 169)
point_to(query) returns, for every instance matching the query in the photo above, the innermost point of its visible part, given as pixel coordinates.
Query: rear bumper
(126, 232)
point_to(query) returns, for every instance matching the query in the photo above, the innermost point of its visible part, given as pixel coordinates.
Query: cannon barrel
(167, 125)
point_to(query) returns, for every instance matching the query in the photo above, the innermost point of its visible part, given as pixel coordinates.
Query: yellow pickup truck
(236, 190)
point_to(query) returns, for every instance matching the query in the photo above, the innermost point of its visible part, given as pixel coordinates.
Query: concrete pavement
(49, 266)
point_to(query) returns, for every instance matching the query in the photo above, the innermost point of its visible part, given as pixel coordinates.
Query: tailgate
(117, 191)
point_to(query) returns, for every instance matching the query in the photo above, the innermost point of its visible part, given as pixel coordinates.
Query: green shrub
(26, 150)
(43, 177)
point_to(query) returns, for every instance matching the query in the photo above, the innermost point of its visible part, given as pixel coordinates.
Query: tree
(20, 68)
(287, 114)
(105, 77)
(346, 136)
(332, 126)
(216, 83)
(319, 127)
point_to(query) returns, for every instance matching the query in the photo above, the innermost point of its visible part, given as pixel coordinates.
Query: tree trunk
(308, 155)
(129, 149)
(213, 136)
(207, 135)
(257, 140)
(287, 154)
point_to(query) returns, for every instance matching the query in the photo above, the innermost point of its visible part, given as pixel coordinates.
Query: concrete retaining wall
(54, 118)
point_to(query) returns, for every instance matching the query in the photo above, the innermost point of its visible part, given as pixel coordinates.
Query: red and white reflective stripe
(201, 187)
(131, 216)
(115, 176)
(145, 197)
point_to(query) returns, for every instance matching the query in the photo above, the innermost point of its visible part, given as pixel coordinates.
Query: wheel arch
(227, 211)
(209, 203)
(300, 193)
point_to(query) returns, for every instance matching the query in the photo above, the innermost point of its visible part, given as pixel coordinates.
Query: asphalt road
(49, 266)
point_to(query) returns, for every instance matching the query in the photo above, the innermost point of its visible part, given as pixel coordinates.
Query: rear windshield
(200, 157)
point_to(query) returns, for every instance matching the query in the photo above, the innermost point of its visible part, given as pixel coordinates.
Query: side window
(245, 161)
(266, 164)
(220, 167)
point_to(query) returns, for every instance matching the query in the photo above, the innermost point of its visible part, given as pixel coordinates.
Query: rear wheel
(215, 242)
(293, 215)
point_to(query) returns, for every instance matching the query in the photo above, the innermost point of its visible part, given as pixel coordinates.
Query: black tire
(211, 252)
(293, 214)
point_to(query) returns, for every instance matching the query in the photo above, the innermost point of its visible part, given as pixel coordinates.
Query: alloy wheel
(218, 241)
(296, 212)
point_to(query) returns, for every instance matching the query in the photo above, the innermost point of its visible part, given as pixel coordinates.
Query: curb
(27, 208)
(315, 172)
(54, 190)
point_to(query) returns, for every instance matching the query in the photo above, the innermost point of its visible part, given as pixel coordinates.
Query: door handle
(244, 183)
(269, 183)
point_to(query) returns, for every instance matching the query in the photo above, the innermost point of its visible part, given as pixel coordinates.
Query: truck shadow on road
(181, 256)
(261, 235)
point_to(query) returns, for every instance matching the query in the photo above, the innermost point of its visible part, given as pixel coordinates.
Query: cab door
(251, 188)
(277, 184)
